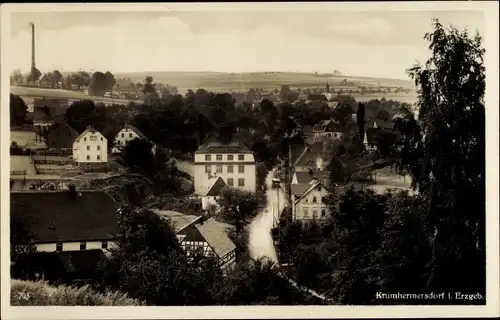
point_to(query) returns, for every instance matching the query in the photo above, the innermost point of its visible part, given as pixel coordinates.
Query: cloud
(374, 27)
(171, 43)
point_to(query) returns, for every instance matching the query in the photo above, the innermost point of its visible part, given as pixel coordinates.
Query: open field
(268, 80)
(30, 93)
(234, 82)
(25, 139)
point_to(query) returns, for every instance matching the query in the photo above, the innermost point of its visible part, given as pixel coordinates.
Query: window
(241, 157)
(230, 157)
(59, 247)
(101, 139)
(306, 213)
(241, 169)
(219, 169)
(123, 135)
(104, 245)
(307, 200)
(88, 157)
(230, 168)
(230, 182)
(98, 148)
(219, 157)
(130, 135)
(84, 139)
(319, 188)
(83, 245)
(315, 213)
(323, 212)
(314, 200)
(98, 157)
(208, 168)
(208, 157)
(88, 147)
(241, 182)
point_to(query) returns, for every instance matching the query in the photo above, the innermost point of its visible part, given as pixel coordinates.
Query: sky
(357, 43)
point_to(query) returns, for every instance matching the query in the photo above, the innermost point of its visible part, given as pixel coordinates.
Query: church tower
(327, 89)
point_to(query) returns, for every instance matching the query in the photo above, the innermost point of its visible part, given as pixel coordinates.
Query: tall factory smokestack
(33, 46)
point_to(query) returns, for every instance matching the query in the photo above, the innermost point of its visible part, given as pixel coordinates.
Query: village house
(311, 158)
(373, 128)
(327, 130)
(230, 159)
(72, 230)
(126, 134)
(197, 234)
(90, 147)
(213, 191)
(309, 177)
(308, 202)
(61, 136)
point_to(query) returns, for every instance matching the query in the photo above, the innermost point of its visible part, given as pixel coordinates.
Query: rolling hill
(217, 81)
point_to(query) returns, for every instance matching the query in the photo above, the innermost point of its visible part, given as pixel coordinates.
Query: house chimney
(33, 46)
(72, 194)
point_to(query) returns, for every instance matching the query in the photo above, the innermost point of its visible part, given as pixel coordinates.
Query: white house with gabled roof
(126, 134)
(308, 202)
(90, 147)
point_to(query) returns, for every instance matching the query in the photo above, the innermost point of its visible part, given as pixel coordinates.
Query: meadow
(241, 82)
(235, 82)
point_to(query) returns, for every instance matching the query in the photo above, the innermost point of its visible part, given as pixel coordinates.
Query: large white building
(90, 147)
(233, 161)
(127, 134)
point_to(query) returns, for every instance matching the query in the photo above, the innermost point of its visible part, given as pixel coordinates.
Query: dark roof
(84, 133)
(310, 188)
(214, 145)
(62, 124)
(48, 110)
(317, 97)
(371, 135)
(55, 217)
(215, 235)
(297, 151)
(306, 177)
(216, 188)
(310, 155)
(299, 189)
(385, 125)
(327, 126)
(136, 131)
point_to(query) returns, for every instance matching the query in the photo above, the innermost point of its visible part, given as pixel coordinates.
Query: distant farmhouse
(124, 136)
(90, 147)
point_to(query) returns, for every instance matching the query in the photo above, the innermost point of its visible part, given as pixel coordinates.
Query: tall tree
(18, 109)
(98, 84)
(57, 77)
(110, 80)
(450, 174)
(138, 156)
(34, 75)
(148, 86)
(360, 121)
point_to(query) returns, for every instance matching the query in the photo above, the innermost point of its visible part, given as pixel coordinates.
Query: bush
(28, 293)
